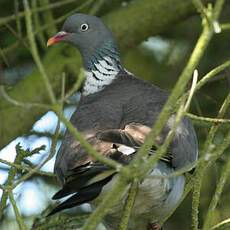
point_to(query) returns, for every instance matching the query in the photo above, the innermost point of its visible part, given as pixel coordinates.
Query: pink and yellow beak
(57, 38)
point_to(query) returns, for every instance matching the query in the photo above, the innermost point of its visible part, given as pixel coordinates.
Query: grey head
(90, 36)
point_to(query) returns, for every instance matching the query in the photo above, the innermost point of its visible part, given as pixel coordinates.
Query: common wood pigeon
(115, 113)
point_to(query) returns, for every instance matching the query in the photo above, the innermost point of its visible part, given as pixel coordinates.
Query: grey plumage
(87, 44)
(118, 113)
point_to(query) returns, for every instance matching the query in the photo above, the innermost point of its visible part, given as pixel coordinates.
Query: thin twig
(216, 197)
(205, 164)
(225, 26)
(18, 22)
(203, 11)
(178, 172)
(10, 48)
(207, 77)
(43, 162)
(63, 17)
(37, 25)
(26, 168)
(16, 35)
(4, 58)
(9, 182)
(26, 105)
(208, 119)
(76, 86)
(19, 218)
(96, 7)
(215, 127)
(227, 221)
(128, 206)
(35, 53)
(2, 187)
(48, 18)
(217, 9)
(108, 201)
(163, 148)
(212, 74)
(39, 9)
(201, 169)
(192, 90)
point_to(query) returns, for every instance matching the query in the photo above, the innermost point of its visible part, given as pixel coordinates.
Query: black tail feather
(84, 195)
(77, 199)
(79, 181)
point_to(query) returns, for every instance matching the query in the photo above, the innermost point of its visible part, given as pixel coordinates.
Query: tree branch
(208, 119)
(129, 206)
(108, 201)
(19, 219)
(216, 197)
(35, 53)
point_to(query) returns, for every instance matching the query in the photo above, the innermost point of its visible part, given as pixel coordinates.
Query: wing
(85, 181)
(132, 136)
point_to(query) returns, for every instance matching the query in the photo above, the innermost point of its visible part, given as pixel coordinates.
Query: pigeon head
(89, 35)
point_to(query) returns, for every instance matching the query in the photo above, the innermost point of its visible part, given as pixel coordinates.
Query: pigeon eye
(84, 27)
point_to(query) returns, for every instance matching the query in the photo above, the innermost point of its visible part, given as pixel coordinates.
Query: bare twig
(192, 90)
(9, 182)
(129, 206)
(216, 197)
(39, 9)
(37, 24)
(203, 11)
(26, 168)
(26, 105)
(4, 58)
(35, 54)
(2, 187)
(19, 219)
(212, 74)
(108, 201)
(96, 7)
(18, 23)
(225, 26)
(205, 164)
(16, 35)
(76, 86)
(201, 169)
(48, 18)
(43, 162)
(227, 221)
(208, 119)
(63, 17)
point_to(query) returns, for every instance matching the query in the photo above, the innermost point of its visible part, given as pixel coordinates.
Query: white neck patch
(106, 71)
